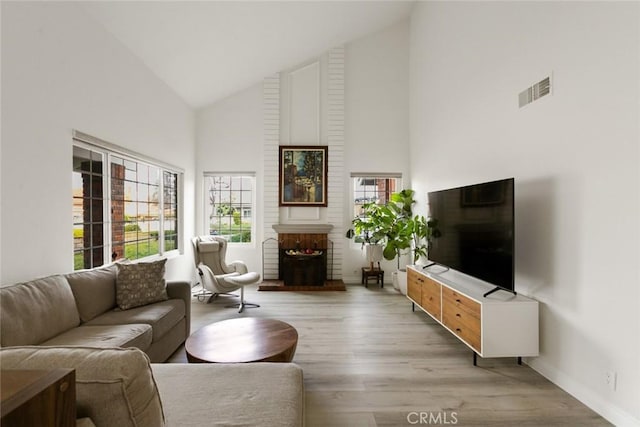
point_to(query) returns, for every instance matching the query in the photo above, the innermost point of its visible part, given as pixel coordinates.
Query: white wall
(376, 120)
(574, 156)
(229, 137)
(62, 72)
(376, 130)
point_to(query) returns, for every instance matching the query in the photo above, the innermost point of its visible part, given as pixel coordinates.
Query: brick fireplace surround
(303, 270)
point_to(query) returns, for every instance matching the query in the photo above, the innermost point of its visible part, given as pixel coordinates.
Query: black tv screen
(475, 231)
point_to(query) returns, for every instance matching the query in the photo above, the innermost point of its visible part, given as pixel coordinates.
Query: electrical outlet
(610, 378)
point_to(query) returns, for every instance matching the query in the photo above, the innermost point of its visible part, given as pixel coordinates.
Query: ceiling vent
(538, 90)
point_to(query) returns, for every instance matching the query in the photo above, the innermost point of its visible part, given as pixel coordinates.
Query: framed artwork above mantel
(303, 175)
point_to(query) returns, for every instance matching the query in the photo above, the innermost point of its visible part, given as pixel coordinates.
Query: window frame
(108, 152)
(242, 207)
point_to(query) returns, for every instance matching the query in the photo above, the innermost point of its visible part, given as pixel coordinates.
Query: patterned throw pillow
(140, 283)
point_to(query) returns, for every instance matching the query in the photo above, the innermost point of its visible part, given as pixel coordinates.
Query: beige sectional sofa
(119, 387)
(73, 321)
(80, 308)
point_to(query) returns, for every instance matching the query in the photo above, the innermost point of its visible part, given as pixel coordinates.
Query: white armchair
(216, 275)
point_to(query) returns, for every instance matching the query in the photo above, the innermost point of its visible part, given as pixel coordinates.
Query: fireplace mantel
(302, 228)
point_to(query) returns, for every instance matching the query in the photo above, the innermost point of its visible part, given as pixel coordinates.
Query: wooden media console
(499, 325)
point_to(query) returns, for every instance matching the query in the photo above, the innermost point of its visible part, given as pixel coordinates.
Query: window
(123, 206)
(229, 206)
(88, 208)
(372, 188)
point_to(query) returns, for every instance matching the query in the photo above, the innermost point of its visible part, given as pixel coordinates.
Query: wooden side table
(375, 272)
(44, 398)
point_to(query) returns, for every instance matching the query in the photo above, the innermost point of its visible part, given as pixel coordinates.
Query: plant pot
(400, 281)
(373, 254)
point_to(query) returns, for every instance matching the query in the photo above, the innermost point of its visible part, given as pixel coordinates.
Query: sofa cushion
(242, 394)
(114, 387)
(162, 316)
(32, 312)
(94, 290)
(140, 283)
(139, 336)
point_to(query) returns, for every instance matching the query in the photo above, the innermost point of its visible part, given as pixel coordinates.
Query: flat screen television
(475, 231)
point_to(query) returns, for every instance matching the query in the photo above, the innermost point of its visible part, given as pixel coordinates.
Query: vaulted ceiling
(208, 50)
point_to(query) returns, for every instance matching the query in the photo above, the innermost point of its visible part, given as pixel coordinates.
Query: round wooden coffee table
(243, 340)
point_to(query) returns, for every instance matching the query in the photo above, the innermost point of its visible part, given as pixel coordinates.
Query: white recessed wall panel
(303, 213)
(304, 105)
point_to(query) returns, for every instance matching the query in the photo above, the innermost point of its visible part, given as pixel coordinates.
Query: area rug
(278, 285)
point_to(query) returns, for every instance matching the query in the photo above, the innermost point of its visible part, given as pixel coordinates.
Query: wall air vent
(538, 90)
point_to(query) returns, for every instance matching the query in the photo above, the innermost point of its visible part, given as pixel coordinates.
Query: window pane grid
(229, 211)
(136, 216)
(137, 232)
(170, 199)
(88, 218)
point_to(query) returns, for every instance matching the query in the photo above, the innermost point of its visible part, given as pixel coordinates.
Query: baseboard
(611, 413)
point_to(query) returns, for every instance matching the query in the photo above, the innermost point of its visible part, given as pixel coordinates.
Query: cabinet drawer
(431, 297)
(467, 328)
(414, 286)
(455, 317)
(460, 301)
(462, 316)
(470, 337)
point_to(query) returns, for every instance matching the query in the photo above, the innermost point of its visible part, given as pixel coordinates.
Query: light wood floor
(368, 360)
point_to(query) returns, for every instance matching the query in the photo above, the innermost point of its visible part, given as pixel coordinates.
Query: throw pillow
(140, 283)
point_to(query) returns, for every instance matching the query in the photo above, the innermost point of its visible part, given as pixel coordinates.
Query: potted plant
(424, 230)
(370, 226)
(394, 226)
(402, 234)
(401, 229)
(407, 231)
